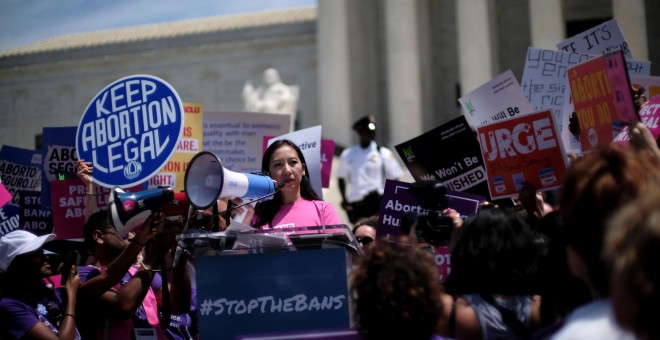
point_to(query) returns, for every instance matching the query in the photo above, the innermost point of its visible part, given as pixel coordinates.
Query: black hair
(97, 221)
(494, 252)
(265, 211)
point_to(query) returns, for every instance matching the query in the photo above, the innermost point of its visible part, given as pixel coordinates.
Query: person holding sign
(28, 308)
(296, 204)
(116, 283)
(365, 166)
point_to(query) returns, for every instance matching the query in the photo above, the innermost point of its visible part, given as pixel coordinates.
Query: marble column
(333, 67)
(404, 95)
(631, 16)
(547, 23)
(475, 54)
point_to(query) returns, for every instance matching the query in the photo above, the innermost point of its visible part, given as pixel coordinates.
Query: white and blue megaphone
(206, 181)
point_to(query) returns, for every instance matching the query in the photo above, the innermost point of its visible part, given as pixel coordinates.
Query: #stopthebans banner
(130, 130)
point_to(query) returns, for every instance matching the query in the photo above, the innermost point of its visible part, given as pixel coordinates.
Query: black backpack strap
(509, 318)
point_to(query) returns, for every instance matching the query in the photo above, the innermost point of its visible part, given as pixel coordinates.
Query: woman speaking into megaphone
(296, 204)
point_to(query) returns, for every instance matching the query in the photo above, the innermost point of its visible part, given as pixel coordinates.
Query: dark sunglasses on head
(364, 240)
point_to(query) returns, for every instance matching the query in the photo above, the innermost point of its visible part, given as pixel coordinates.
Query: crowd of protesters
(581, 269)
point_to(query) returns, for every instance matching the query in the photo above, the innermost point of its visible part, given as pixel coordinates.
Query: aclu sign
(130, 130)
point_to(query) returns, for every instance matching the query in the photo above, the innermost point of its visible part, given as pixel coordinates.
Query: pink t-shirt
(304, 213)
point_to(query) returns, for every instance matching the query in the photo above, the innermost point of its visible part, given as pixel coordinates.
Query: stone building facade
(407, 62)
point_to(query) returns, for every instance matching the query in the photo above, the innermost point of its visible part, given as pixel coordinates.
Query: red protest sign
(522, 149)
(600, 88)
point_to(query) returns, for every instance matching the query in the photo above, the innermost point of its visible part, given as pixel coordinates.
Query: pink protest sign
(5, 196)
(600, 89)
(522, 149)
(650, 116)
(327, 154)
(443, 261)
(68, 203)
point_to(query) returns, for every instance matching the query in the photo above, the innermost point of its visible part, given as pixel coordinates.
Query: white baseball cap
(19, 242)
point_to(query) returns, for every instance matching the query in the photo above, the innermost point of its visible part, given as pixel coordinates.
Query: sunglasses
(364, 240)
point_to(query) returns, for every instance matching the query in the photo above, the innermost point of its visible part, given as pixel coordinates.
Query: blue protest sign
(272, 292)
(130, 129)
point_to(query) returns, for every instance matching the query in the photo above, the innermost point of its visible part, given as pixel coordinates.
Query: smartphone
(72, 260)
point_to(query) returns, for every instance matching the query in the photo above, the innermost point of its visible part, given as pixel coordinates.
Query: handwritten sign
(130, 130)
(499, 99)
(545, 78)
(599, 39)
(525, 148)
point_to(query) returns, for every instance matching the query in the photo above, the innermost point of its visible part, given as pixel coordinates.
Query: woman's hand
(84, 171)
(152, 226)
(73, 282)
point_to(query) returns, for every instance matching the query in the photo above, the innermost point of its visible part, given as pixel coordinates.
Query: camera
(432, 226)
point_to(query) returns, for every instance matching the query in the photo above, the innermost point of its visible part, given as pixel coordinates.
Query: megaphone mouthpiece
(128, 210)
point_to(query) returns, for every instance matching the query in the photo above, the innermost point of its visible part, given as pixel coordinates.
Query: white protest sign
(499, 99)
(237, 137)
(597, 40)
(309, 142)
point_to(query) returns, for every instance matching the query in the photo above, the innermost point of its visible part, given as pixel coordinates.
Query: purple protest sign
(397, 202)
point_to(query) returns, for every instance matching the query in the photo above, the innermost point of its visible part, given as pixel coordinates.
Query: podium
(276, 280)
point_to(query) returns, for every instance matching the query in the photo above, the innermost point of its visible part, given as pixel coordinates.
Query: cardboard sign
(460, 169)
(600, 39)
(600, 90)
(172, 174)
(545, 80)
(499, 99)
(130, 130)
(397, 202)
(525, 148)
(272, 292)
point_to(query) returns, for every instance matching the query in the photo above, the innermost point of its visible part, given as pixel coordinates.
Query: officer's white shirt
(362, 168)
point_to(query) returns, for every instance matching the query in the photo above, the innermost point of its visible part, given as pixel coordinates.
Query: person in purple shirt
(28, 308)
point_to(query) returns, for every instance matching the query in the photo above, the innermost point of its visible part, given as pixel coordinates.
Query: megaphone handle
(216, 222)
(227, 214)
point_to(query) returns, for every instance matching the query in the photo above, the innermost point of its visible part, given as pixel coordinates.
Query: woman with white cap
(28, 308)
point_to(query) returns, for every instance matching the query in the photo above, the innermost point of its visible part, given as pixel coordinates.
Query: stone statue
(273, 96)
